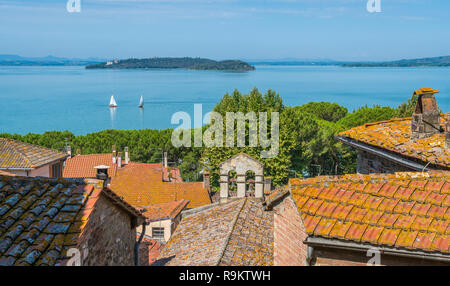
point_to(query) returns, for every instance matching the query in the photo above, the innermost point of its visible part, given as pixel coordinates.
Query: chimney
(447, 131)
(69, 151)
(267, 184)
(165, 162)
(207, 180)
(78, 151)
(102, 172)
(119, 160)
(114, 154)
(127, 156)
(426, 118)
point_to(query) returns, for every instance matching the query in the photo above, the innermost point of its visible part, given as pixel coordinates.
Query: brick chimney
(127, 156)
(426, 117)
(207, 180)
(447, 130)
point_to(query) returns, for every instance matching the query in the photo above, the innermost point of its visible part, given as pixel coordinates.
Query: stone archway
(241, 163)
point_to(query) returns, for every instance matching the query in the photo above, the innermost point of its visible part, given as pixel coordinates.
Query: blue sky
(221, 29)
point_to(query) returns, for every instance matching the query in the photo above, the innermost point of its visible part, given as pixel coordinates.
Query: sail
(141, 102)
(112, 102)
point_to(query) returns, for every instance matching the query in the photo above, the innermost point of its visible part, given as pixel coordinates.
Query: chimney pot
(78, 151)
(119, 160)
(69, 151)
(207, 180)
(426, 118)
(127, 156)
(166, 164)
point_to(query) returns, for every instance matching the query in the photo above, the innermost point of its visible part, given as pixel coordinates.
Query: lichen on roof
(395, 136)
(20, 155)
(403, 210)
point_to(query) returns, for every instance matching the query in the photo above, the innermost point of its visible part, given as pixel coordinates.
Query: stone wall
(108, 237)
(289, 234)
(368, 163)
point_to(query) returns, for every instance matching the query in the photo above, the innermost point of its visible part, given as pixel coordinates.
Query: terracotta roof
(236, 233)
(82, 166)
(154, 248)
(395, 135)
(19, 155)
(142, 185)
(165, 210)
(41, 218)
(403, 210)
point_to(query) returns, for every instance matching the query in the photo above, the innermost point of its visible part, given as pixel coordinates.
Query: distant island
(424, 62)
(175, 63)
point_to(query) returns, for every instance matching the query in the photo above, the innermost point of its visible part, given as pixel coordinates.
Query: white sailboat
(112, 102)
(141, 102)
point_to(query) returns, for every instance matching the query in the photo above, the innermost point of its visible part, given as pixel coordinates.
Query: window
(56, 170)
(158, 233)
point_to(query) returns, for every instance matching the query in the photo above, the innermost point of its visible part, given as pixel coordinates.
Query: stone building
(240, 230)
(65, 222)
(28, 160)
(419, 143)
(384, 219)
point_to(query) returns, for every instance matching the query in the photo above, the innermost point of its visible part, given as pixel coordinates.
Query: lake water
(39, 99)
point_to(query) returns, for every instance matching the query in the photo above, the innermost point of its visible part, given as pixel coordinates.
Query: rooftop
(408, 211)
(19, 155)
(41, 218)
(83, 166)
(395, 136)
(142, 185)
(236, 233)
(167, 210)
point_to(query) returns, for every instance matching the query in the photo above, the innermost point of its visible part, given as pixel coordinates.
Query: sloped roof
(165, 210)
(41, 218)
(142, 185)
(403, 210)
(395, 136)
(152, 247)
(236, 233)
(82, 166)
(19, 155)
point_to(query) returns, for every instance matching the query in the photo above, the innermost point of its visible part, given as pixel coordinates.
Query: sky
(227, 29)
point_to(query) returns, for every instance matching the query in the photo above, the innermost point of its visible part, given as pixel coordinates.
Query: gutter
(398, 159)
(138, 244)
(337, 244)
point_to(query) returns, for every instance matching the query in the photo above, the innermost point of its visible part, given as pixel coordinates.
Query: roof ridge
(227, 240)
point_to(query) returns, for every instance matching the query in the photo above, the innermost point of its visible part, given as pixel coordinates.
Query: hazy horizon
(341, 30)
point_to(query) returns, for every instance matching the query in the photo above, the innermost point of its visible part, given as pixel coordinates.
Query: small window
(158, 233)
(56, 170)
